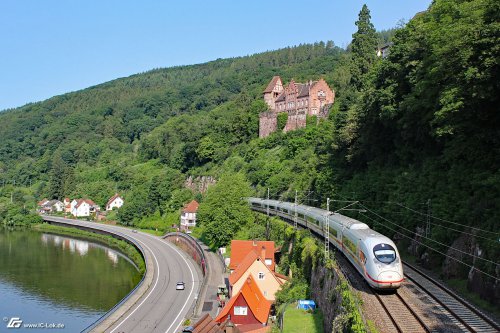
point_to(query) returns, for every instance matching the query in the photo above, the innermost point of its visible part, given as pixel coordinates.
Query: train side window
(333, 232)
(362, 257)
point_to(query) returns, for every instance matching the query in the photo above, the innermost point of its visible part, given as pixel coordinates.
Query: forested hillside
(413, 137)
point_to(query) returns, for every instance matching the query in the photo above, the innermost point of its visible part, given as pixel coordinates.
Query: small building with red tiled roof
(116, 201)
(253, 265)
(188, 216)
(241, 248)
(42, 202)
(248, 306)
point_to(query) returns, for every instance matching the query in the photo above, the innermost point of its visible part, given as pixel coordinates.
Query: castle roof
(272, 84)
(281, 97)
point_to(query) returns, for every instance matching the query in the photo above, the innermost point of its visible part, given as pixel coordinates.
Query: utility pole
(295, 215)
(326, 229)
(267, 221)
(428, 225)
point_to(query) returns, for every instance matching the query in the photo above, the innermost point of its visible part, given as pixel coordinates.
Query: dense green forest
(413, 137)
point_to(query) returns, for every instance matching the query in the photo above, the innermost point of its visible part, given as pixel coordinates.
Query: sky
(51, 47)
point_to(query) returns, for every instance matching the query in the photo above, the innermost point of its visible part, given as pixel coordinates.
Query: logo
(14, 322)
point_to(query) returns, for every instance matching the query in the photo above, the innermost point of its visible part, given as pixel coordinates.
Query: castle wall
(268, 122)
(296, 119)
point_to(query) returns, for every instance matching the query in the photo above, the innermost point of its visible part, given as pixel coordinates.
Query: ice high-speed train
(374, 255)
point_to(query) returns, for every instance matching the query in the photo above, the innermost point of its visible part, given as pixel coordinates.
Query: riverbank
(127, 249)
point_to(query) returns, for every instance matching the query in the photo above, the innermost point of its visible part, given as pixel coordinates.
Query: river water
(56, 280)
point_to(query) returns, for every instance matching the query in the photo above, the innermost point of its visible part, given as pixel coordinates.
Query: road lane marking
(192, 280)
(150, 292)
(110, 229)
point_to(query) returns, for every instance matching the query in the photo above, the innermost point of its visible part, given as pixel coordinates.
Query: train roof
(317, 213)
(360, 229)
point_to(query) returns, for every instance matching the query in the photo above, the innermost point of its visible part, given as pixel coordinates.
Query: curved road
(161, 308)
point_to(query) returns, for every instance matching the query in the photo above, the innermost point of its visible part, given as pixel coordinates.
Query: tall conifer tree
(364, 44)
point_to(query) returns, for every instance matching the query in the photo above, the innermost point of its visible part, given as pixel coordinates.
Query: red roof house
(248, 306)
(241, 248)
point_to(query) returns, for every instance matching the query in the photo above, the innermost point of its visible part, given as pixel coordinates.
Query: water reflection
(80, 246)
(60, 277)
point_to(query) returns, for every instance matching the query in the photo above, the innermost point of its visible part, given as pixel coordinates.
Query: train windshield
(384, 253)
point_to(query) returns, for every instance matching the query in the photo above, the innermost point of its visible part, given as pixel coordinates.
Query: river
(57, 280)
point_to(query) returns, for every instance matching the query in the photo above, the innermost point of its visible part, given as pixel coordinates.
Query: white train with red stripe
(374, 255)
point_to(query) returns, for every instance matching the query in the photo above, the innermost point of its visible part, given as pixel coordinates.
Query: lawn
(300, 321)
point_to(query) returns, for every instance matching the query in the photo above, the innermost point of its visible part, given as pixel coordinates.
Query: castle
(298, 100)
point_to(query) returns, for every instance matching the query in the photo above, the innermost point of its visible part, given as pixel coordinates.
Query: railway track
(402, 315)
(470, 319)
(444, 310)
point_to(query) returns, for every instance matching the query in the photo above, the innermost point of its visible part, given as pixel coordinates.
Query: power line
(432, 240)
(433, 249)
(450, 228)
(440, 219)
(431, 216)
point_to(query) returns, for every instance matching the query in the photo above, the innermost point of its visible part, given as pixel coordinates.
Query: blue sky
(51, 47)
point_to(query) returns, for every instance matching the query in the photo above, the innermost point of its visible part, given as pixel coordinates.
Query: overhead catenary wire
(431, 216)
(456, 230)
(440, 219)
(433, 249)
(430, 239)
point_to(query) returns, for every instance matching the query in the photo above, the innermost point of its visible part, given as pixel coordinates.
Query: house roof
(256, 301)
(272, 84)
(191, 207)
(113, 199)
(254, 328)
(245, 265)
(79, 202)
(240, 249)
(41, 202)
(206, 325)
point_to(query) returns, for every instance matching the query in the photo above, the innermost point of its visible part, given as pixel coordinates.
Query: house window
(265, 293)
(240, 310)
(269, 262)
(261, 275)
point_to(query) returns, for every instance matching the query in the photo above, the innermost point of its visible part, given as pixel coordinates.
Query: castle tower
(272, 91)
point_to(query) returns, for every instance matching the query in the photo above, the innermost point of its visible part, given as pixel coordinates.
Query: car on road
(134, 231)
(180, 286)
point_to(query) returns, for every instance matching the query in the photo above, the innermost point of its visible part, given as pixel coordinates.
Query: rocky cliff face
(199, 184)
(324, 292)
(464, 249)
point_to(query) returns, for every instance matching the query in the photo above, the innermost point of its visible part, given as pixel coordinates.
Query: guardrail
(201, 260)
(118, 235)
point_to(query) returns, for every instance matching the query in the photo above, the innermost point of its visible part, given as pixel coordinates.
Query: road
(157, 307)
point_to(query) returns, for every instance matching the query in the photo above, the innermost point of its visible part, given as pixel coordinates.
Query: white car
(180, 286)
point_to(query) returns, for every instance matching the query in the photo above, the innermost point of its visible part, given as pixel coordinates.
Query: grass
(301, 321)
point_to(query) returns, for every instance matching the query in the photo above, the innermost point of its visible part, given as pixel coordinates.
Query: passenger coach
(374, 255)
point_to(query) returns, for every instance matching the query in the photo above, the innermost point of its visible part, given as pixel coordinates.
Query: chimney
(263, 254)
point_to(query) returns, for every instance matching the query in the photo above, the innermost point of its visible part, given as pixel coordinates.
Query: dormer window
(269, 262)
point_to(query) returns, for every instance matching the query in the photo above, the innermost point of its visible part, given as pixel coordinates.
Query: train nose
(390, 279)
